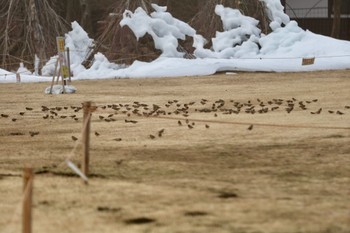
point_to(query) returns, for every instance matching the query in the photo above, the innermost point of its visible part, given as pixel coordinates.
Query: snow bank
(164, 29)
(23, 70)
(79, 44)
(276, 14)
(240, 38)
(240, 47)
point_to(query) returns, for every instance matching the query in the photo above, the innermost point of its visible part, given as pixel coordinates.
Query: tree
(80, 11)
(208, 23)
(336, 19)
(28, 27)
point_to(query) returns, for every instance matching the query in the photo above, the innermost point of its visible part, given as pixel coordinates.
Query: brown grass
(288, 174)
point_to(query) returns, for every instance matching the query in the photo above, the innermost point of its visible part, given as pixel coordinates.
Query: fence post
(68, 61)
(27, 200)
(18, 77)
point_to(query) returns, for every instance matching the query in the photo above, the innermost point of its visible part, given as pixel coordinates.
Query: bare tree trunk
(35, 27)
(86, 16)
(336, 19)
(73, 11)
(28, 27)
(80, 11)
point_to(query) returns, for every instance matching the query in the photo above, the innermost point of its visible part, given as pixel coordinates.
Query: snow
(276, 14)
(23, 70)
(239, 47)
(164, 29)
(79, 45)
(58, 89)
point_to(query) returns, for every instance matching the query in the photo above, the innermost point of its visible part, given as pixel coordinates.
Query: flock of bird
(174, 108)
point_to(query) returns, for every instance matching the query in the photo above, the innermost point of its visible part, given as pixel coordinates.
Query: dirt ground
(244, 153)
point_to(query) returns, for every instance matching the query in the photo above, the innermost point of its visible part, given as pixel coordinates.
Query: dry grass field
(245, 153)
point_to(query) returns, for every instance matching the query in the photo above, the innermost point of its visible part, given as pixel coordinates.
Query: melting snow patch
(58, 89)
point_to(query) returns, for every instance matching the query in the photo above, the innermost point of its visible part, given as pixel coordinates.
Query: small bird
(117, 139)
(207, 126)
(44, 108)
(347, 107)
(160, 132)
(317, 112)
(74, 138)
(250, 127)
(97, 134)
(4, 115)
(32, 134)
(330, 111)
(29, 109)
(101, 117)
(179, 123)
(63, 117)
(190, 126)
(340, 113)
(14, 119)
(130, 121)
(152, 136)
(119, 162)
(21, 113)
(46, 116)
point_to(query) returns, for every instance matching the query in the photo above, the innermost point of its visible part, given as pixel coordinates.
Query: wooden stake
(86, 137)
(68, 61)
(18, 77)
(27, 200)
(53, 77)
(58, 75)
(62, 76)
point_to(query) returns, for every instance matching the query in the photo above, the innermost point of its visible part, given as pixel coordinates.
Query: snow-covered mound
(164, 29)
(23, 70)
(79, 44)
(239, 47)
(4, 72)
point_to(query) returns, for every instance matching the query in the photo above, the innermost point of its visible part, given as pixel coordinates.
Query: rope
(257, 124)
(17, 211)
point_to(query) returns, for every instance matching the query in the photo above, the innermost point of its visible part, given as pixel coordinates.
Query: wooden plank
(308, 61)
(27, 200)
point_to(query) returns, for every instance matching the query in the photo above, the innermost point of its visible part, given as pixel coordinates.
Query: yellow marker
(60, 44)
(65, 72)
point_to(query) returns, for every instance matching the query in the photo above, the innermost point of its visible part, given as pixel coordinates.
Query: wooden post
(53, 77)
(18, 77)
(86, 137)
(63, 85)
(68, 61)
(27, 200)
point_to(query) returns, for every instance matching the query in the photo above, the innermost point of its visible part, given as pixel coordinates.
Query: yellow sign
(60, 44)
(65, 71)
(308, 61)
